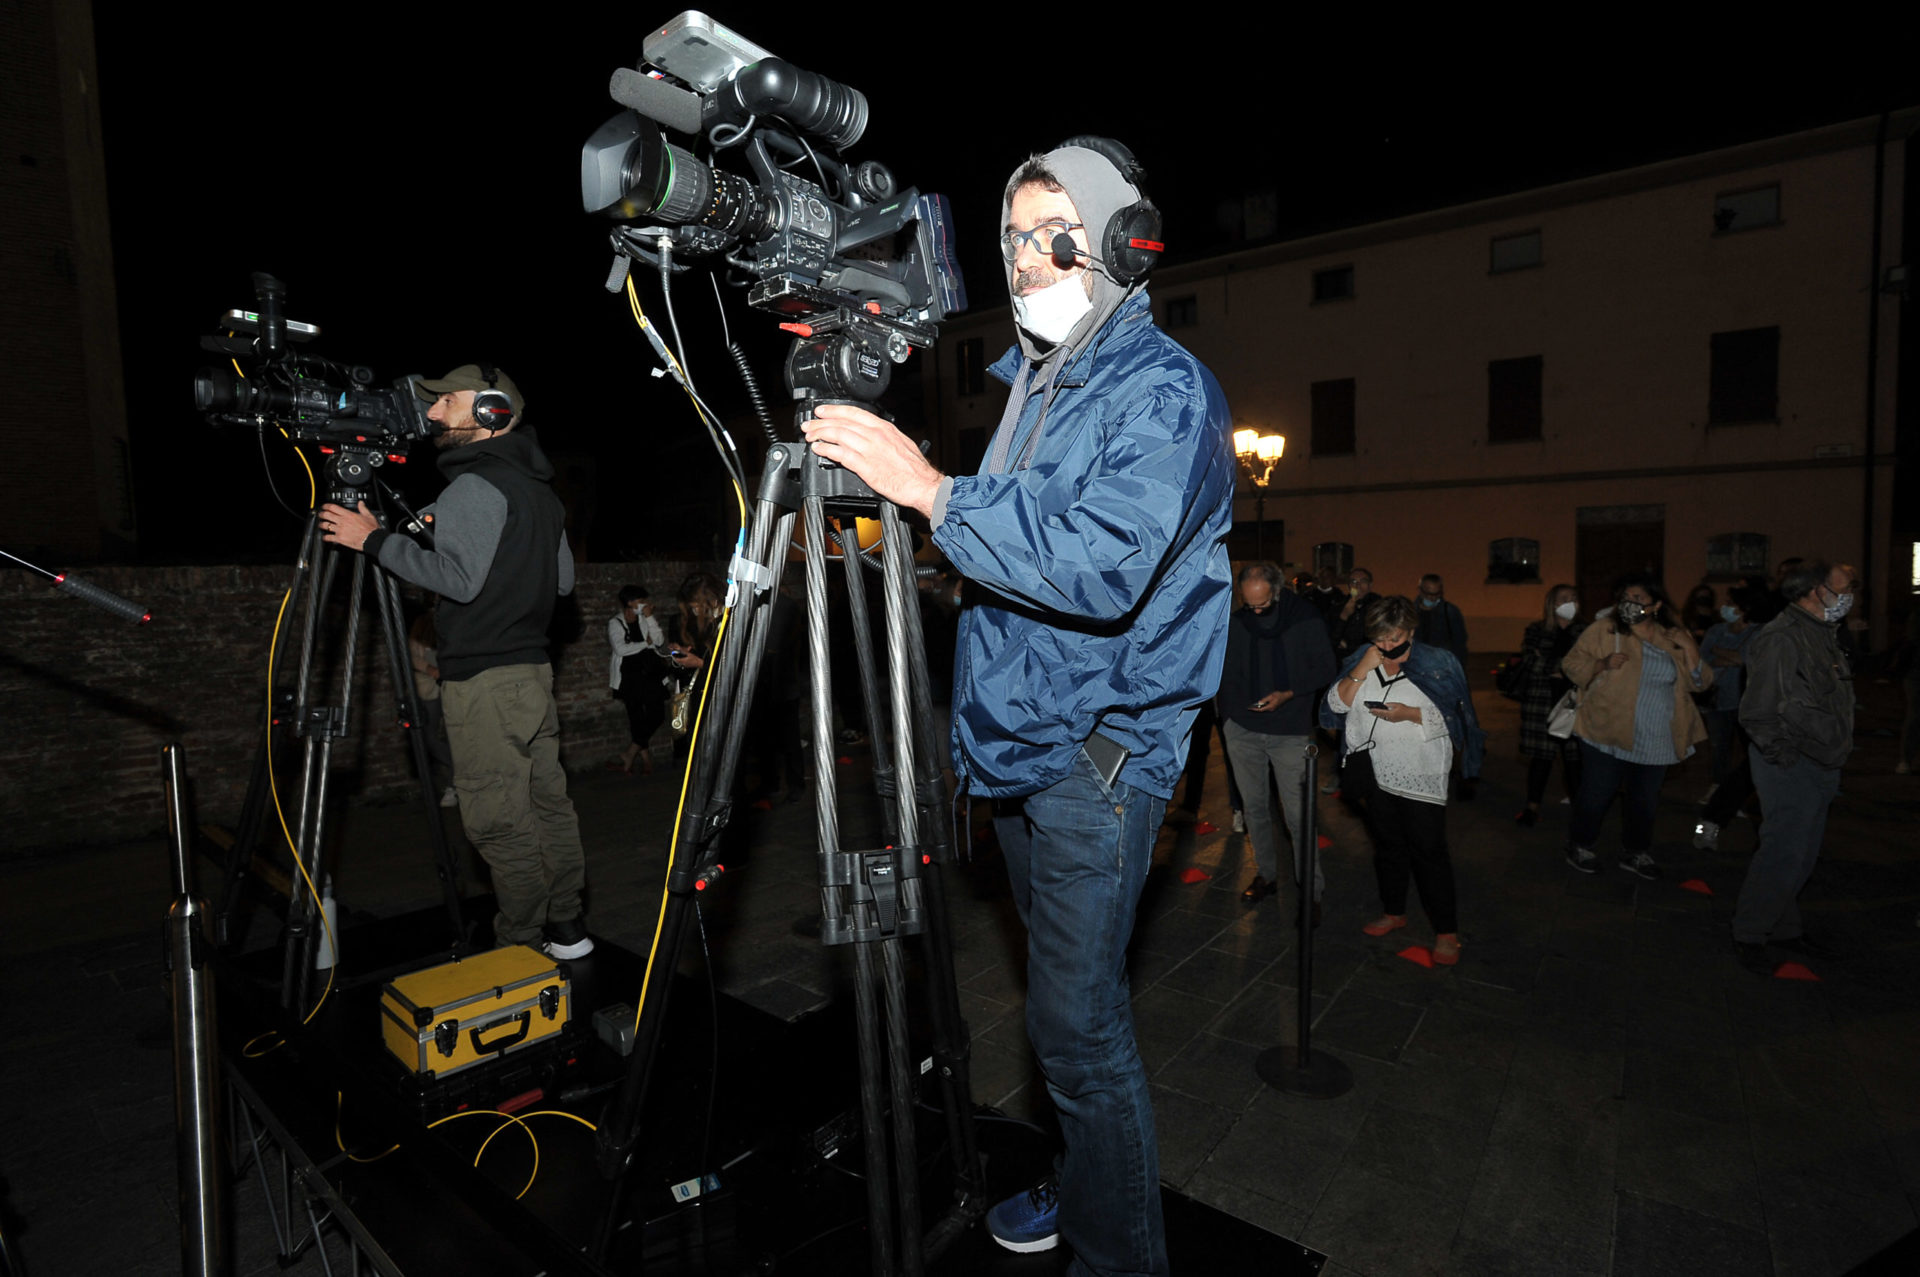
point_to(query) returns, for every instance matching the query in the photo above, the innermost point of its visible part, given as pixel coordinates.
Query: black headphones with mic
(1130, 245)
(492, 407)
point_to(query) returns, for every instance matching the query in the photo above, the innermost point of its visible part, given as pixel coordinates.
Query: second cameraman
(498, 562)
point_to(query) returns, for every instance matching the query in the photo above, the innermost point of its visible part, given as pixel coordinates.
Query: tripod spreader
(878, 895)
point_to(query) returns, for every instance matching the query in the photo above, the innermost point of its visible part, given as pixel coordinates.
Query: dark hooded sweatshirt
(499, 556)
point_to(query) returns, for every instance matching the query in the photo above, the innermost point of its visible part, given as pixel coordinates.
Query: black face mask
(1395, 653)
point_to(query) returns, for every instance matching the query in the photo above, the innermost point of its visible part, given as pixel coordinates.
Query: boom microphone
(1064, 250)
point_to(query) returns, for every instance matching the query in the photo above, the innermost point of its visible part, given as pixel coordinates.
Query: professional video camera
(310, 397)
(865, 269)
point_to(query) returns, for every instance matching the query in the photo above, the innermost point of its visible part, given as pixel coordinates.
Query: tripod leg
(872, 1121)
(250, 835)
(386, 592)
(952, 1046)
(826, 813)
(715, 760)
(302, 908)
(879, 724)
(328, 725)
(738, 677)
(906, 1156)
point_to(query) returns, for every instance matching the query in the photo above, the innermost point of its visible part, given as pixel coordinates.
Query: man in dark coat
(1278, 660)
(1798, 714)
(1441, 624)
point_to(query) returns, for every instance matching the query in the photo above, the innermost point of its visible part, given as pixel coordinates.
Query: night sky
(412, 174)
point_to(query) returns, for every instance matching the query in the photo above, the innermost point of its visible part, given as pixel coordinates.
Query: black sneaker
(1642, 864)
(1807, 947)
(1754, 957)
(567, 940)
(1583, 860)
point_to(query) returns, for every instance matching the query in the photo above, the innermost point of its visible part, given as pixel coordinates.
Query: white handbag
(1565, 710)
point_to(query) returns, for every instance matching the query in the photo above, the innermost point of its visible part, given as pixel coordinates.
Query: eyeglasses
(1012, 241)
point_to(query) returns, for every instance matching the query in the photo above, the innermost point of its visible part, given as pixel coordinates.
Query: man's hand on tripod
(883, 458)
(347, 527)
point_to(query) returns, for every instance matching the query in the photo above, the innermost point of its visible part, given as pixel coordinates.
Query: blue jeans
(1077, 856)
(1601, 776)
(1793, 802)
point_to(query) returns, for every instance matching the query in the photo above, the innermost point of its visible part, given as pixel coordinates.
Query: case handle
(525, 1022)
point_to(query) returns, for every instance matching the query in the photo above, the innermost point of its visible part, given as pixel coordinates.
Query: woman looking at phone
(1405, 709)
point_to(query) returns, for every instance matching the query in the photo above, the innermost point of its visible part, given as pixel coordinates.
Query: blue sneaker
(1028, 1221)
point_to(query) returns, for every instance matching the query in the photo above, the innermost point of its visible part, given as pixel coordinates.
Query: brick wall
(87, 701)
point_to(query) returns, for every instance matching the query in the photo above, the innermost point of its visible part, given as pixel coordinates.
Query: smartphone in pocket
(1107, 757)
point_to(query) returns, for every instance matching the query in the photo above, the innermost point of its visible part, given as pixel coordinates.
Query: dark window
(1513, 399)
(970, 366)
(1183, 312)
(1256, 537)
(1744, 384)
(1513, 561)
(1747, 210)
(1735, 554)
(1333, 418)
(1333, 556)
(1333, 284)
(1515, 252)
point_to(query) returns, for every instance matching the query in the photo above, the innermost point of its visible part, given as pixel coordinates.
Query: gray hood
(1098, 192)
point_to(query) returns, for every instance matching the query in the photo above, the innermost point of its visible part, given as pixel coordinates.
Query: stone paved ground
(1597, 1088)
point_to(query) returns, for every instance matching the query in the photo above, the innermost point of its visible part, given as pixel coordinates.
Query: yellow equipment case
(448, 1018)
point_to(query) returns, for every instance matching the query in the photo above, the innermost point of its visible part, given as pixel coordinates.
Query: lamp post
(1258, 453)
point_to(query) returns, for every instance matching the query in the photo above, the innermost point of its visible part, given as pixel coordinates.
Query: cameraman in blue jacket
(1093, 545)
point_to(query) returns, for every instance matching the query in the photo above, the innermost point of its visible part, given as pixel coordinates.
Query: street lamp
(1258, 453)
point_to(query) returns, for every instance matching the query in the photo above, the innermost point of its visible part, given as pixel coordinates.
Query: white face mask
(1838, 609)
(1567, 611)
(1051, 312)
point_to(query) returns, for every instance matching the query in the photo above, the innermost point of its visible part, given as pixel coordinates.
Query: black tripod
(319, 722)
(870, 899)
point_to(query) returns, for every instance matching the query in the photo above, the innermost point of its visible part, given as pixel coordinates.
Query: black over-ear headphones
(1130, 245)
(492, 407)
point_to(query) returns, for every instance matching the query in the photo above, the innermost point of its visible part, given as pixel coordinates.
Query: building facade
(1690, 368)
(65, 435)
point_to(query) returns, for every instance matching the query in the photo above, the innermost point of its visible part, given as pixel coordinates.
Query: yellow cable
(673, 846)
(719, 640)
(273, 784)
(511, 1119)
(339, 1103)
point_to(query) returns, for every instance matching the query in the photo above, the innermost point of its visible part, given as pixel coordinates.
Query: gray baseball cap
(472, 377)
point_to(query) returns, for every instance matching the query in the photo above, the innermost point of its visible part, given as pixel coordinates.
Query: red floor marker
(1696, 884)
(845, 760)
(1794, 971)
(1206, 827)
(1191, 875)
(1418, 954)
(763, 804)
(1322, 841)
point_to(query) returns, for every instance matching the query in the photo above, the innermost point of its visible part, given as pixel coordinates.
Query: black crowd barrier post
(1298, 1070)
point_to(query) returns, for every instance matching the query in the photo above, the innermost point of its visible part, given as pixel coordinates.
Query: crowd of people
(1756, 679)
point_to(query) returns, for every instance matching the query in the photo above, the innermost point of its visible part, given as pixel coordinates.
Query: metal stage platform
(769, 1163)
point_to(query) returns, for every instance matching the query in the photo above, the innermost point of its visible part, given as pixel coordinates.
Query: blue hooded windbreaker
(1096, 567)
(1437, 673)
